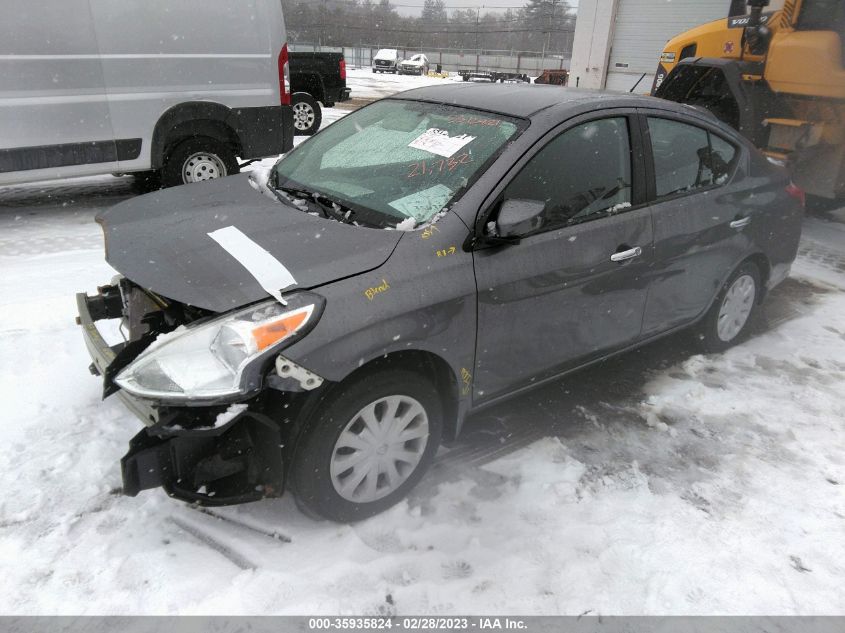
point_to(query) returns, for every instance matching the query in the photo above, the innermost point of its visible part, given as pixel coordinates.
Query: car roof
(526, 100)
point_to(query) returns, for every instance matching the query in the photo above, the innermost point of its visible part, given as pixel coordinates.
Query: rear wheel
(197, 159)
(733, 312)
(307, 115)
(367, 446)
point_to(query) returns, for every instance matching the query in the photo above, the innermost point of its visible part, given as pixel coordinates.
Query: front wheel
(367, 446)
(729, 320)
(197, 159)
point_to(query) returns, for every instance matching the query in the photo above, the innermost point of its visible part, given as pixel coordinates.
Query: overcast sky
(413, 7)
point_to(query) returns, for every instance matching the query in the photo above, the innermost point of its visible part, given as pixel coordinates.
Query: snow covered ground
(365, 83)
(663, 482)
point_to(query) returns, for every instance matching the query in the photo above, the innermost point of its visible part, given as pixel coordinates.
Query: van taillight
(342, 68)
(798, 193)
(284, 76)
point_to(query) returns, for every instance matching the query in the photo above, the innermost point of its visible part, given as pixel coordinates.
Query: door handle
(625, 255)
(740, 223)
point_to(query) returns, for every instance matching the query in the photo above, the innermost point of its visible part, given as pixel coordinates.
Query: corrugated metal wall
(641, 30)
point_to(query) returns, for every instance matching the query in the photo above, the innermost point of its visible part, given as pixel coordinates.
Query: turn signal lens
(272, 332)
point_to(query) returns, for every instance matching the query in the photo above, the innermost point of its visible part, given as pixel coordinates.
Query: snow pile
(408, 224)
(233, 411)
(259, 176)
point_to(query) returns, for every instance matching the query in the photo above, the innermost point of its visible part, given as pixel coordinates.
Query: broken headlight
(213, 359)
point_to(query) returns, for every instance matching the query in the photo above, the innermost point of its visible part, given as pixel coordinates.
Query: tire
(317, 473)
(725, 326)
(374, 71)
(196, 159)
(307, 114)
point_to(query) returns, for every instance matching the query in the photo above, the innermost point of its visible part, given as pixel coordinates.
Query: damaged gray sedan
(326, 328)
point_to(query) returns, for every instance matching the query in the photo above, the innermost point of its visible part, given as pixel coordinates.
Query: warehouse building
(617, 42)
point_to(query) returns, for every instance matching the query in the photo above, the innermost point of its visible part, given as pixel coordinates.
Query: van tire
(307, 114)
(214, 158)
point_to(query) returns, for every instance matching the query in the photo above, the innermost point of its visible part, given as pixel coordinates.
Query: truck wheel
(733, 312)
(307, 115)
(197, 159)
(370, 442)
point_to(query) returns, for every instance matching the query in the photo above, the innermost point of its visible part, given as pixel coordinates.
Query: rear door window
(687, 157)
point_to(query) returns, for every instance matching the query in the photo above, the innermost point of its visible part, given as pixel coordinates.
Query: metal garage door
(641, 31)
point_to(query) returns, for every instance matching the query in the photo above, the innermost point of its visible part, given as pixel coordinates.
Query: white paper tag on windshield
(268, 271)
(439, 142)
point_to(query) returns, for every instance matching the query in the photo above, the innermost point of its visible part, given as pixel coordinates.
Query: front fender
(423, 298)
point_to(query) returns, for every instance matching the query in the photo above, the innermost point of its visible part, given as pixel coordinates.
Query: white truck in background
(386, 61)
(170, 91)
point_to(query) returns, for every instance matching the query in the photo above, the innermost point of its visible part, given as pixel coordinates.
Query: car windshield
(399, 159)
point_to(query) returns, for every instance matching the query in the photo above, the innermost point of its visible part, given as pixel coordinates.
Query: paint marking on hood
(268, 271)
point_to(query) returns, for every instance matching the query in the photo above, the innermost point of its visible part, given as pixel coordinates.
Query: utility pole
(547, 41)
(477, 52)
(322, 26)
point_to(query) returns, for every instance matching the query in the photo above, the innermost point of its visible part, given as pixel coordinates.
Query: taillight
(798, 193)
(342, 68)
(284, 76)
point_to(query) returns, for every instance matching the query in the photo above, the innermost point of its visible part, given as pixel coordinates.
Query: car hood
(160, 241)
(408, 62)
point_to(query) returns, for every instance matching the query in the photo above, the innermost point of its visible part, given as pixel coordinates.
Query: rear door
(701, 224)
(558, 297)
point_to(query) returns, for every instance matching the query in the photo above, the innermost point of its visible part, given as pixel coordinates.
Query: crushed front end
(210, 446)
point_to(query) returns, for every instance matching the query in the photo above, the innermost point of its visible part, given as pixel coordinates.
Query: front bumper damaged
(183, 449)
(235, 463)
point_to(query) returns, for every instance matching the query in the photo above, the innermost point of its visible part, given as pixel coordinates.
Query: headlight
(212, 359)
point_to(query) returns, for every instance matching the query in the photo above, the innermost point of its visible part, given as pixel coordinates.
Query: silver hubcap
(202, 166)
(736, 307)
(379, 448)
(303, 116)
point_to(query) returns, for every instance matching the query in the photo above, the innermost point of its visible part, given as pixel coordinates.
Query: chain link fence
(455, 60)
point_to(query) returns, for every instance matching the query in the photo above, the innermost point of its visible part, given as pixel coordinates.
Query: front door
(575, 287)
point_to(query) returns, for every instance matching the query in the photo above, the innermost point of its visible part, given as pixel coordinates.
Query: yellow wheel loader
(774, 71)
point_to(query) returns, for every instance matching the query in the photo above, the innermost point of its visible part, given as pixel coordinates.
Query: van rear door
(54, 117)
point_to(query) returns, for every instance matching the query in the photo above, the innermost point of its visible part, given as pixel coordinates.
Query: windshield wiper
(330, 208)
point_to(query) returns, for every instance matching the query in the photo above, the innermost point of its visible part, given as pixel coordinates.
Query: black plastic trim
(263, 131)
(66, 154)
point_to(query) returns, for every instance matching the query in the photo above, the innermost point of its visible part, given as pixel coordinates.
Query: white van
(169, 90)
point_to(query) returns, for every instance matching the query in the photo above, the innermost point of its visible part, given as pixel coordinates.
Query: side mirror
(518, 217)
